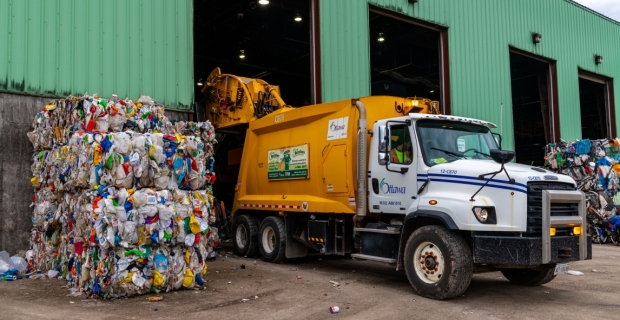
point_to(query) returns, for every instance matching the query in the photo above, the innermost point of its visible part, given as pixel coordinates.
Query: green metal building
(480, 36)
(540, 69)
(61, 47)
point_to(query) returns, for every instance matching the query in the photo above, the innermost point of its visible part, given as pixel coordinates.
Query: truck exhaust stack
(362, 170)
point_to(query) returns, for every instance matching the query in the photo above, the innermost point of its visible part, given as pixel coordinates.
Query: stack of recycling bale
(595, 166)
(123, 201)
(591, 163)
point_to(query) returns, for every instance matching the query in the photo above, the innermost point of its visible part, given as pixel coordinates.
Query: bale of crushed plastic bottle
(121, 213)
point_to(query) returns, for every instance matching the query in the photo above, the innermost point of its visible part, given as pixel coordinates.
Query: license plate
(561, 268)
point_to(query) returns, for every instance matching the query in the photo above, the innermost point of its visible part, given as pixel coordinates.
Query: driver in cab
(401, 153)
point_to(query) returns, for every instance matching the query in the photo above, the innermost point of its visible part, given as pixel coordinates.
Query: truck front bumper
(526, 251)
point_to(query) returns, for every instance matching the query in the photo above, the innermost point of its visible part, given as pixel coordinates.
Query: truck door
(392, 173)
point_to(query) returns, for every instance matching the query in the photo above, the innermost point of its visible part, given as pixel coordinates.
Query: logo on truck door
(391, 189)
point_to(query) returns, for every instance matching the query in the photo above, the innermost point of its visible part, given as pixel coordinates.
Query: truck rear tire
(245, 238)
(438, 263)
(272, 239)
(529, 277)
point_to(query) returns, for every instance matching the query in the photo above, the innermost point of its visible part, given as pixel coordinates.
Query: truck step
(358, 256)
(384, 231)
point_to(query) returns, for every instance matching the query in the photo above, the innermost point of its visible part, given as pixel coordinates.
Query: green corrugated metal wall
(62, 47)
(479, 35)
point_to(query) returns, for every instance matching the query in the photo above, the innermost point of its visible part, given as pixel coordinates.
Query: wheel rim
(428, 262)
(269, 239)
(241, 236)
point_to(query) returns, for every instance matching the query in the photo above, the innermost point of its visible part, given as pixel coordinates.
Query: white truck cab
(451, 173)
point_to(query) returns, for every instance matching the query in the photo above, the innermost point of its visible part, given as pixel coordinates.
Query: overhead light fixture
(432, 91)
(199, 83)
(598, 59)
(536, 37)
(263, 2)
(381, 38)
(297, 16)
(241, 54)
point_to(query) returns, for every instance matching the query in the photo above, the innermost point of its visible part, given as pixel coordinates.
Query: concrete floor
(366, 291)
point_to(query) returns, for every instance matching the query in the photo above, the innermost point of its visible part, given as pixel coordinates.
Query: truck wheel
(272, 239)
(438, 263)
(246, 236)
(529, 277)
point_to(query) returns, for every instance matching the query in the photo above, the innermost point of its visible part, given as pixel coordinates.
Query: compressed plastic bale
(122, 142)
(91, 206)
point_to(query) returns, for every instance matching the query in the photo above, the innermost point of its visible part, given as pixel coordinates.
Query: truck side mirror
(383, 145)
(386, 142)
(383, 158)
(382, 142)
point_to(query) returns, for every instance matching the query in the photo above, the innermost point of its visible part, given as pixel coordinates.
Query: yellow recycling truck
(389, 179)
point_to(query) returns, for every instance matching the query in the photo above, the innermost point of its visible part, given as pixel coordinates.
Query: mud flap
(294, 248)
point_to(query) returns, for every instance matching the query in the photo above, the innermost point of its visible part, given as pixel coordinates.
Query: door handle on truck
(375, 185)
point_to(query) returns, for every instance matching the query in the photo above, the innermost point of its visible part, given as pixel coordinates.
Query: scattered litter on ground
(155, 298)
(575, 272)
(334, 309)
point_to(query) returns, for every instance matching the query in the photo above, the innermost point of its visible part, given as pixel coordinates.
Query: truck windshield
(447, 141)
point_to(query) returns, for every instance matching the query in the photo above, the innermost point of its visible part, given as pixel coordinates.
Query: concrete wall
(178, 116)
(16, 115)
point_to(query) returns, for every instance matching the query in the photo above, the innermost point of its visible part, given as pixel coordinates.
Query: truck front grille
(534, 206)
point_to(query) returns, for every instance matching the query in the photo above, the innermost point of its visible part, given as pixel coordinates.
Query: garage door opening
(248, 39)
(405, 57)
(594, 106)
(532, 107)
(245, 38)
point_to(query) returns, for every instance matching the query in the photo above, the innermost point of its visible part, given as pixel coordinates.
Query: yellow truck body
(320, 139)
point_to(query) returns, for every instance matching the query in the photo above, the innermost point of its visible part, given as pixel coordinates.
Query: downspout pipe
(362, 171)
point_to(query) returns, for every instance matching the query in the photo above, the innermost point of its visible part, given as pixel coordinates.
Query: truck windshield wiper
(484, 154)
(452, 153)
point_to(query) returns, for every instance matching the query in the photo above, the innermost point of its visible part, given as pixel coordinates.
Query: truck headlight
(485, 215)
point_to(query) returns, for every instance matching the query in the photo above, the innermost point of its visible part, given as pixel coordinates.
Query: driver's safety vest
(397, 156)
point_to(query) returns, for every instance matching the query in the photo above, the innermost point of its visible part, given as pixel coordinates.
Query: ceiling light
(297, 17)
(263, 2)
(381, 38)
(241, 54)
(199, 83)
(432, 91)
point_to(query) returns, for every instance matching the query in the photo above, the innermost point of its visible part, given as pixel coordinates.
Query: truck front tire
(245, 237)
(438, 263)
(272, 239)
(530, 277)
